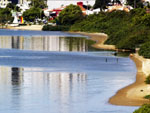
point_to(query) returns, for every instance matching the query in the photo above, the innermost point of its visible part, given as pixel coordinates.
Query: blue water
(8, 32)
(38, 80)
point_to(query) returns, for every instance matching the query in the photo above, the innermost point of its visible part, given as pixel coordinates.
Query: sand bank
(31, 27)
(133, 94)
(100, 38)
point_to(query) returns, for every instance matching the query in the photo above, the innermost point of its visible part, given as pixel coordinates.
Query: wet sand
(133, 94)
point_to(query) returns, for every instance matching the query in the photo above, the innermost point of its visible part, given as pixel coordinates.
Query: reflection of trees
(16, 75)
(15, 42)
(47, 43)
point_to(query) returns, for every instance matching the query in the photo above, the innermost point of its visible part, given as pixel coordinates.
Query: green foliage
(125, 30)
(147, 81)
(101, 4)
(147, 97)
(145, 50)
(70, 15)
(12, 6)
(143, 109)
(56, 28)
(135, 3)
(38, 4)
(32, 14)
(5, 15)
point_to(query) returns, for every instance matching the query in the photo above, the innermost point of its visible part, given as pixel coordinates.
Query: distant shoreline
(31, 27)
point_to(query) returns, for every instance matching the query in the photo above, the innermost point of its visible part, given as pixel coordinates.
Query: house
(53, 4)
(55, 12)
(3, 3)
(119, 7)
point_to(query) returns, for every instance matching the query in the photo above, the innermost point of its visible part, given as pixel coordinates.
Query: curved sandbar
(133, 94)
(100, 38)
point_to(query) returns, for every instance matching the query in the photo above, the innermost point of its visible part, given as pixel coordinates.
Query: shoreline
(99, 38)
(31, 27)
(131, 95)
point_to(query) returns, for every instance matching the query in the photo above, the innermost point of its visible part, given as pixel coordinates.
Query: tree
(147, 97)
(12, 6)
(38, 4)
(70, 15)
(102, 4)
(5, 15)
(144, 50)
(147, 81)
(143, 109)
(135, 3)
(32, 14)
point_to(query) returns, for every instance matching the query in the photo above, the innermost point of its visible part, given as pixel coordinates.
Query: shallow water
(40, 75)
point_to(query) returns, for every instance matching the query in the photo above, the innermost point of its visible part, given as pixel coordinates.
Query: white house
(52, 4)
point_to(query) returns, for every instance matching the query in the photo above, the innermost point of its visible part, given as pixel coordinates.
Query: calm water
(53, 74)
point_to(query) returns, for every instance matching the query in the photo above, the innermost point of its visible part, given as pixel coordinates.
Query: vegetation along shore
(126, 31)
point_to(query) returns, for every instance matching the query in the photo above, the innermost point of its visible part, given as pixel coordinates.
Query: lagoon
(51, 72)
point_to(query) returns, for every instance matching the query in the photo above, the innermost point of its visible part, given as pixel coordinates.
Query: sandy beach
(99, 38)
(31, 27)
(133, 94)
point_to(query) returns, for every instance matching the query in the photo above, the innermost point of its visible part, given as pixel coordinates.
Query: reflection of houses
(17, 75)
(20, 87)
(47, 43)
(11, 76)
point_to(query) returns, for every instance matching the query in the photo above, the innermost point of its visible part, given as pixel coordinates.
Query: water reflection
(30, 89)
(17, 74)
(44, 43)
(37, 90)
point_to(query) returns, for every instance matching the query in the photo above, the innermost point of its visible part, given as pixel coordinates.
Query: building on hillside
(119, 7)
(3, 3)
(52, 4)
(53, 13)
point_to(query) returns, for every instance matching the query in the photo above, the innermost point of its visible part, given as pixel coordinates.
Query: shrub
(143, 109)
(55, 28)
(147, 81)
(147, 97)
(145, 50)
